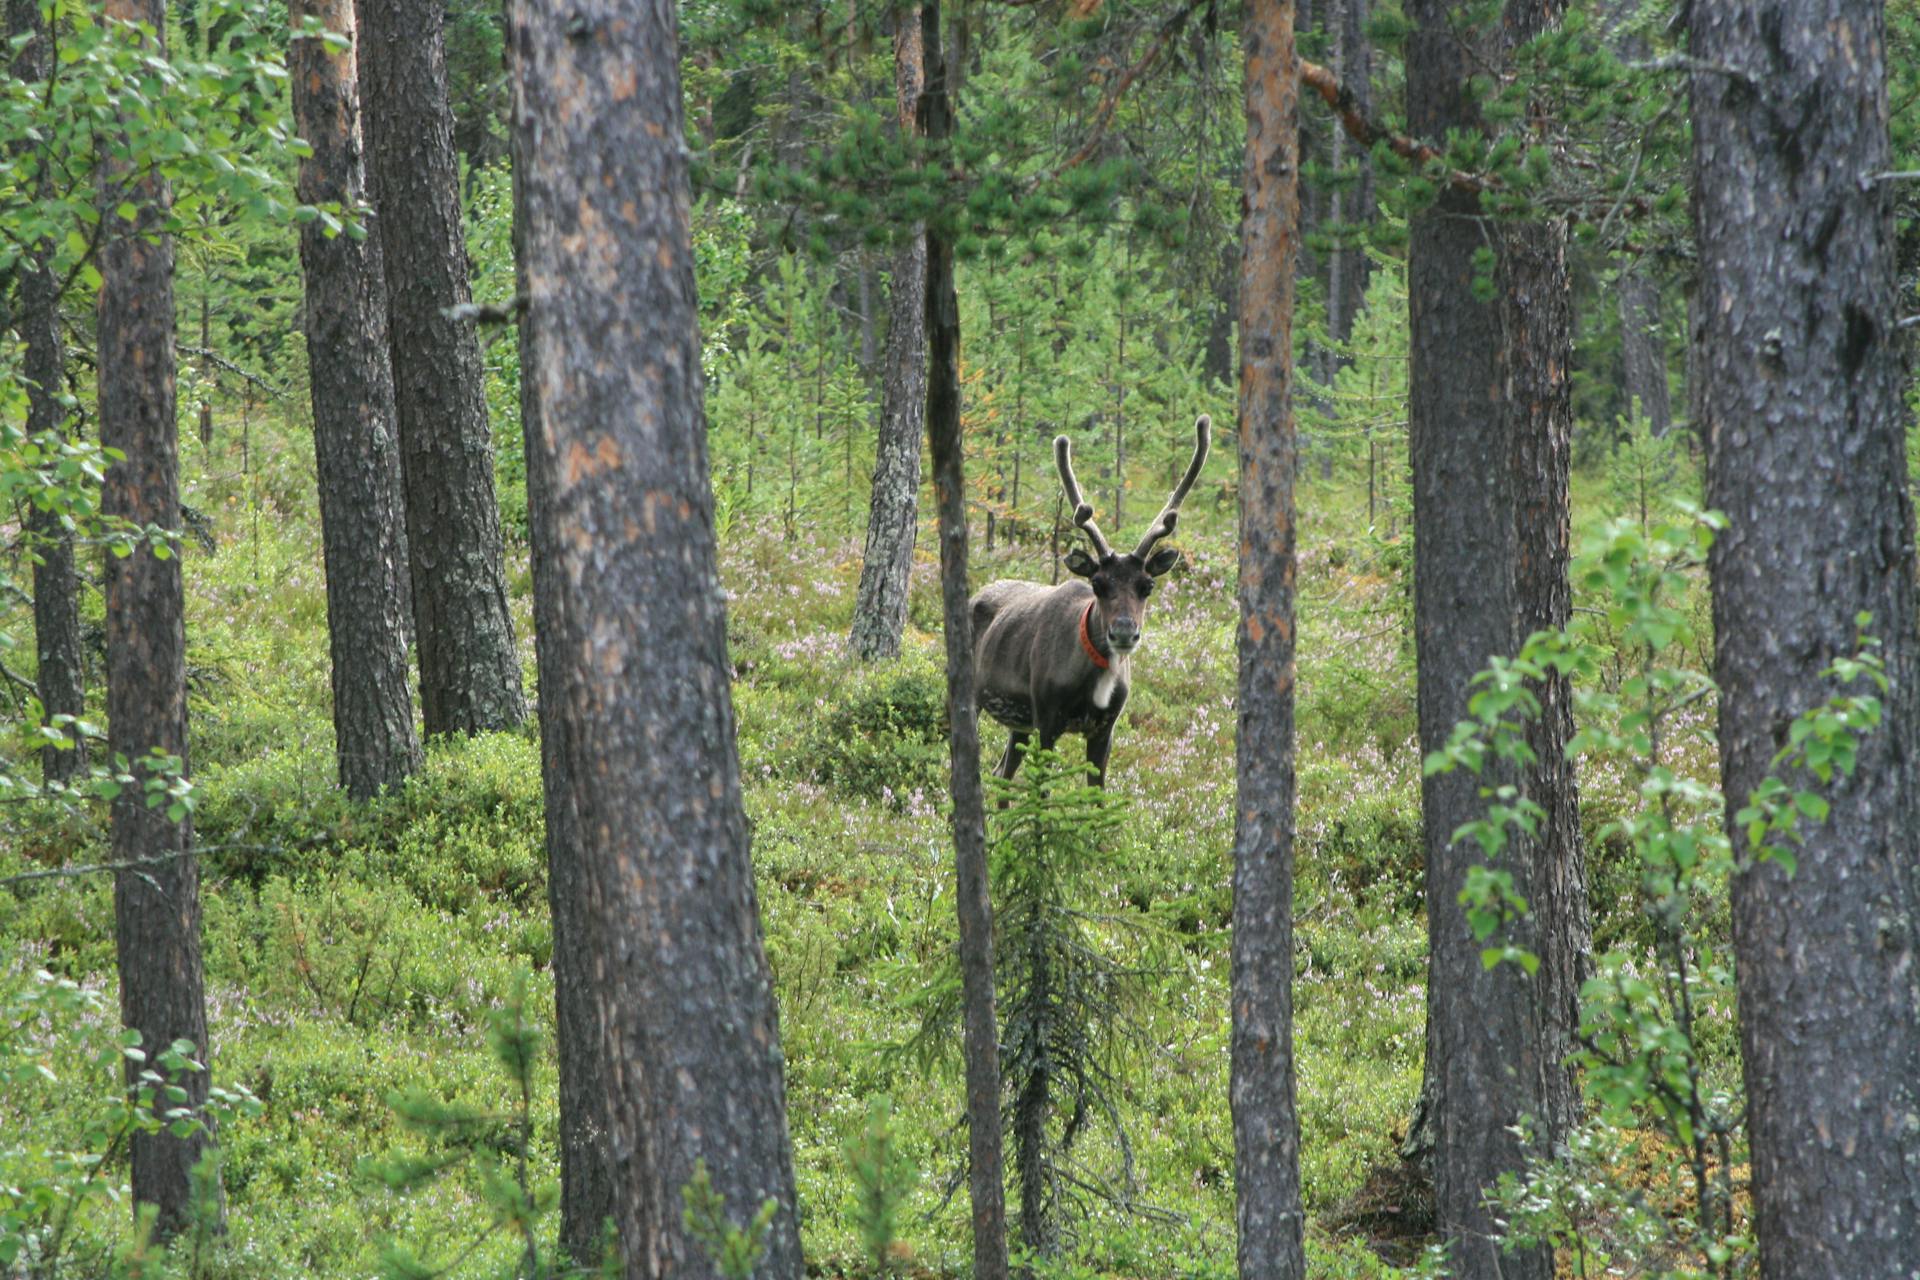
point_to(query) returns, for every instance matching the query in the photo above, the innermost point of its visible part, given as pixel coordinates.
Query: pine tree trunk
(60, 677)
(1266, 1124)
(880, 607)
(469, 674)
(1643, 356)
(1491, 1058)
(356, 448)
(587, 1196)
(587, 1168)
(645, 790)
(1536, 302)
(986, 1177)
(1800, 403)
(1348, 268)
(156, 905)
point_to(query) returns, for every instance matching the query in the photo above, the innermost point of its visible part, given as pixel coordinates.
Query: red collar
(1100, 660)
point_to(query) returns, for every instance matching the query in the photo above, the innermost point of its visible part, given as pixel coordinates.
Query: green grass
(354, 950)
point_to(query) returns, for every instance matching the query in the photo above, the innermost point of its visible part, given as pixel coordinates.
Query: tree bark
(645, 790)
(1800, 400)
(880, 607)
(1489, 426)
(587, 1168)
(157, 905)
(1347, 266)
(1536, 306)
(356, 448)
(1643, 355)
(986, 1181)
(1266, 1124)
(59, 675)
(469, 674)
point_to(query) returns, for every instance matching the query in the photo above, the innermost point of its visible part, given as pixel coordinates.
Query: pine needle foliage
(1066, 999)
(496, 1145)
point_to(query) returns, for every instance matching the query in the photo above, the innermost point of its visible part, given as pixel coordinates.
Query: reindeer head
(1122, 583)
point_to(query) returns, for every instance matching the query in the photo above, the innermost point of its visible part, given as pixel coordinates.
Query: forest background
(363, 958)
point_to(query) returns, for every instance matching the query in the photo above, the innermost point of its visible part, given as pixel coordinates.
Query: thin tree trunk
(356, 447)
(1643, 354)
(1266, 1124)
(1800, 366)
(59, 675)
(649, 825)
(156, 905)
(1349, 269)
(986, 1182)
(469, 673)
(880, 607)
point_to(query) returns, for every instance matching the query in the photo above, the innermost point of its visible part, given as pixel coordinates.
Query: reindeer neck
(1095, 650)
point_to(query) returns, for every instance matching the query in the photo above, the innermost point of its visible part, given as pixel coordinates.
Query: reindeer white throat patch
(1110, 680)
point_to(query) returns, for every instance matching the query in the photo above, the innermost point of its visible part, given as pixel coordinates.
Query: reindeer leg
(1016, 752)
(1099, 744)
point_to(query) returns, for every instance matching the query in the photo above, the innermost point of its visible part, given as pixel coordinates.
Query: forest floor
(354, 951)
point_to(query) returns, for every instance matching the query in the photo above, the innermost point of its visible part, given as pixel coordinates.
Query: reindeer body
(1049, 661)
(1034, 675)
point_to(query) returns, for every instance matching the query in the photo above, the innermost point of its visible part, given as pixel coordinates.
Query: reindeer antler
(1170, 514)
(1082, 509)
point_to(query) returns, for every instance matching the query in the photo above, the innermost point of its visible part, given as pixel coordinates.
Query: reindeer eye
(1146, 588)
(1102, 588)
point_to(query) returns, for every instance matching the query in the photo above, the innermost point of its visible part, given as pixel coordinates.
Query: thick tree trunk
(986, 1180)
(1488, 427)
(587, 1168)
(60, 679)
(157, 904)
(469, 674)
(1800, 403)
(1536, 303)
(355, 444)
(1266, 1125)
(645, 790)
(880, 607)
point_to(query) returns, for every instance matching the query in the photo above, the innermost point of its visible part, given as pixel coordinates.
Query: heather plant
(1656, 1022)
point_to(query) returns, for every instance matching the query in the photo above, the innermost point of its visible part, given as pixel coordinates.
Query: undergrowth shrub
(67, 1119)
(466, 831)
(883, 735)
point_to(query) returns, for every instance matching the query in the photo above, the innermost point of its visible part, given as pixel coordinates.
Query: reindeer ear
(1078, 561)
(1163, 561)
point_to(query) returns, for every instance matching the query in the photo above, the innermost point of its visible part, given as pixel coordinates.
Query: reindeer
(1055, 660)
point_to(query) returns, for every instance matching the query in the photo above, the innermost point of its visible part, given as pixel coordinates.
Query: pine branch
(1117, 89)
(1367, 132)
